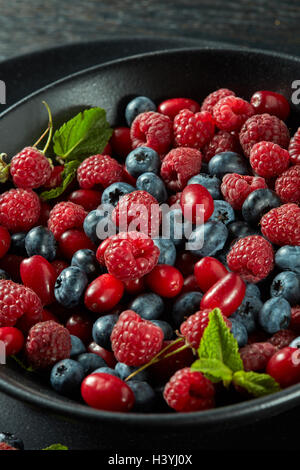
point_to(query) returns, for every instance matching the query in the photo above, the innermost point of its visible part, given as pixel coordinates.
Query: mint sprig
(220, 361)
(85, 134)
(67, 175)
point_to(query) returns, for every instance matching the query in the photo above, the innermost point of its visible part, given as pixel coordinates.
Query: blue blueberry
(166, 328)
(248, 311)
(239, 331)
(85, 260)
(167, 251)
(112, 193)
(286, 285)
(240, 229)
(17, 244)
(106, 370)
(208, 239)
(145, 396)
(252, 290)
(66, 377)
(228, 162)
(94, 220)
(102, 330)
(258, 203)
(90, 362)
(40, 241)
(148, 306)
(275, 315)
(174, 226)
(154, 185)
(142, 160)
(4, 275)
(223, 212)
(123, 371)
(70, 286)
(288, 258)
(77, 346)
(211, 183)
(138, 105)
(295, 343)
(12, 440)
(186, 305)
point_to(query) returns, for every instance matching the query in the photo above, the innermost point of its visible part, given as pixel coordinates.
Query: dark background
(29, 25)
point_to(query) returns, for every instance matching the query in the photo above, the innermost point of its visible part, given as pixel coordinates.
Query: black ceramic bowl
(187, 72)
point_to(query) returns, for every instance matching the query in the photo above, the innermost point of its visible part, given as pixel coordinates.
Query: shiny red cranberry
(284, 366)
(89, 199)
(59, 265)
(38, 274)
(190, 284)
(44, 214)
(121, 142)
(4, 241)
(128, 178)
(107, 149)
(227, 294)
(11, 264)
(108, 356)
(13, 340)
(80, 325)
(165, 280)
(74, 240)
(270, 102)
(134, 286)
(173, 106)
(55, 178)
(208, 271)
(185, 262)
(104, 293)
(47, 315)
(196, 203)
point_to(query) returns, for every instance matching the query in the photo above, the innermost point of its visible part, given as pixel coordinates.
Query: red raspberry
(30, 168)
(281, 225)
(189, 390)
(193, 130)
(55, 178)
(252, 258)
(138, 211)
(19, 209)
(47, 343)
(231, 112)
(4, 446)
(99, 170)
(222, 141)
(282, 339)
(152, 130)
(65, 216)
(256, 356)
(17, 300)
(131, 255)
(263, 127)
(214, 97)
(135, 341)
(294, 148)
(179, 165)
(287, 185)
(193, 328)
(295, 319)
(236, 188)
(268, 159)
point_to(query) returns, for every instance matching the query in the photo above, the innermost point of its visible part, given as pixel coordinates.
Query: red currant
(270, 102)
(196, 203)
(134, 286)
(190, 284)
(227, 295)
(80, 325)
(89, 199)
(74, 240)
(107, 392)
(4, 241)
(13, 339)
(284, 366)
(208, 271)
(121, 141)
(108, 356)
(38, 274)
(104, 293)
(173, 106)
(165, 280)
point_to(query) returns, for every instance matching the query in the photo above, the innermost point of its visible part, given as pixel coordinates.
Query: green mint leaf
(219, 343)
(214, 370)
(68, 175)
(256, 384)
(56, 447)
(85, 134)
(22, 364)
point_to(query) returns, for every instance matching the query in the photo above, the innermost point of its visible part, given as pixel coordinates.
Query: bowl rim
(256, 408)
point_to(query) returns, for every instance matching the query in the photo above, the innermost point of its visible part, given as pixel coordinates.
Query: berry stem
(50, 127)
(157, 358)
(185, 346)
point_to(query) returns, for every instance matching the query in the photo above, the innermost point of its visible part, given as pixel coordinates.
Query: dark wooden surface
(28, 25)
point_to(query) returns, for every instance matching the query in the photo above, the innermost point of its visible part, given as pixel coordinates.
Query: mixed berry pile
(117, 320)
